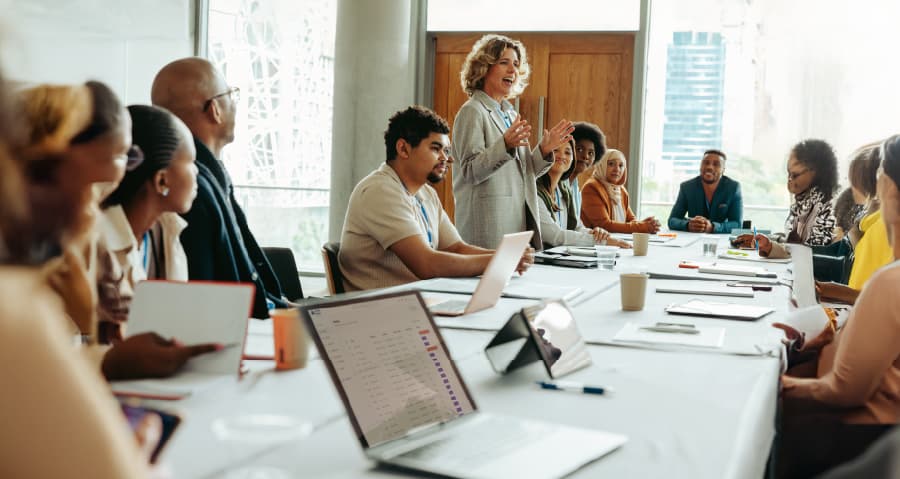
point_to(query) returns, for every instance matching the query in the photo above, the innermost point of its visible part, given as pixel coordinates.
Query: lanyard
(505, 117)
(559, 210)
(145, 244)
(424, 218)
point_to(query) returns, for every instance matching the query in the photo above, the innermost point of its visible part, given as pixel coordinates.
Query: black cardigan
(217, 241)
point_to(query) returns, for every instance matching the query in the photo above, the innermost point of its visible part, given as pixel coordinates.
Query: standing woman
(140, 223)
(559, 219)
(495, 182)
(606, 200)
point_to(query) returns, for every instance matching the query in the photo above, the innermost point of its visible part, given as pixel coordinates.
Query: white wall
(376, 59)
(120, 42)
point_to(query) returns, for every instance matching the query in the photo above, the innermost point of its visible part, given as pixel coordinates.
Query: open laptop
(492, 282)
(410, 407)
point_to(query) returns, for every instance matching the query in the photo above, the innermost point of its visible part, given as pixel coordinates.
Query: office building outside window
(755, 77)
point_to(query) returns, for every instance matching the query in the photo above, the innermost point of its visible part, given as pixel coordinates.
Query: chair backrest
(332, 267)
(285, 269)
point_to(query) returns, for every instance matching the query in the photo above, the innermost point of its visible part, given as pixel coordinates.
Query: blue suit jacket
(217, 241)
(725, 211)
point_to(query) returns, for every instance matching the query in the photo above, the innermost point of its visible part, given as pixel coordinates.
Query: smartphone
(135, 412)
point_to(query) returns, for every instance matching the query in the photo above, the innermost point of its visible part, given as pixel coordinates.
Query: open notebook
(194, 313)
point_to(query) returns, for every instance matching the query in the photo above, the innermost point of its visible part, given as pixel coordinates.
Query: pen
(573, 387)
(224, 346)
(669, 329)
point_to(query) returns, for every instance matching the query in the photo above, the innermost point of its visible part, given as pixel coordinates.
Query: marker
(573, 387)
(755, 240)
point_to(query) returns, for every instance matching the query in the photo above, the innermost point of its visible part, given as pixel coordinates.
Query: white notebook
(194, 313)
(707, 336)
(696, 307)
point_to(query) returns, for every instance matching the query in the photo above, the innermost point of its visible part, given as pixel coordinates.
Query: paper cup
(634, 290)
(641, 241)
(291, 342)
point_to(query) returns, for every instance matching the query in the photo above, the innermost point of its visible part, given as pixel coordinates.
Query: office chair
(285, 269)
(332, 268)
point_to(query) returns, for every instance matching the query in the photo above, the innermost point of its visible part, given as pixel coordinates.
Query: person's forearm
(679, 224)
(449, 265)
(462, 247)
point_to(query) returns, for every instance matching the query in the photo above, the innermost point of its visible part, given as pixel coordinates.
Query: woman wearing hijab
(605, 199)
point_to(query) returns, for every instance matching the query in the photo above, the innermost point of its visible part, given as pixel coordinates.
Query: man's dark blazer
(217, 241)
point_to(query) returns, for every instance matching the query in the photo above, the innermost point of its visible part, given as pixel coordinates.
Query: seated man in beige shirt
(395, 230)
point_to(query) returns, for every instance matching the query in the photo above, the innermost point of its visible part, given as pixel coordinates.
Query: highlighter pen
(573, 387)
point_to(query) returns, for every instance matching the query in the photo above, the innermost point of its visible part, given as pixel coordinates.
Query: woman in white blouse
(558, 217)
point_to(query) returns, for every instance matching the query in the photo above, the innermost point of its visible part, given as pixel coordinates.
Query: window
(533, 16)
(753, 79)
(281, 55)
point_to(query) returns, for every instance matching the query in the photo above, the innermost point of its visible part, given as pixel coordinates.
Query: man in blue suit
(712, 201)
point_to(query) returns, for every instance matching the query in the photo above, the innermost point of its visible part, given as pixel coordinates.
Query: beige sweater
(59, 418)
(860, 371)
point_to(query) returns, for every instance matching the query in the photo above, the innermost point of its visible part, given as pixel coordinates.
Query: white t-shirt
(381, 213)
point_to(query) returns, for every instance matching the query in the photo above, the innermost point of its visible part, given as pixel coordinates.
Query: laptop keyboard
(482, 442)
(451, 306)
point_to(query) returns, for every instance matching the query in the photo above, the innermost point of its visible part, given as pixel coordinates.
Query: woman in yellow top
(604, 200)
(872, 250)
(858, 374)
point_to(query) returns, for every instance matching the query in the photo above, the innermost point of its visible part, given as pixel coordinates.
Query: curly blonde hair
(485, 53)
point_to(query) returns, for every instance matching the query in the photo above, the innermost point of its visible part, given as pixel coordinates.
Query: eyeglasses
(794, 176)
(134, 157)
(234, 92)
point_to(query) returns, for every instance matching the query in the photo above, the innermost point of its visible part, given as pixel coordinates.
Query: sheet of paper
(176, 387)
(708, 337)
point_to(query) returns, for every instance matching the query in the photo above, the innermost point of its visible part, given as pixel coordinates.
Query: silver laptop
(492, 282)
(410, 407)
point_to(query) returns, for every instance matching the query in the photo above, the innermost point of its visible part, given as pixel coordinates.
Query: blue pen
(573, 387)
(754, 238)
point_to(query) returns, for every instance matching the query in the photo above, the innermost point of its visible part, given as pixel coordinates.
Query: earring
(165, 191)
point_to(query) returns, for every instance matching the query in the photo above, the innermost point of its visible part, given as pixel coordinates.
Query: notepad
(751, 255)
(194, 313)
(707, 291)
(697, 307)
(708, 336)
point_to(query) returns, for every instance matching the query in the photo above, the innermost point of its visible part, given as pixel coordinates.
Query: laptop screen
(389, 364)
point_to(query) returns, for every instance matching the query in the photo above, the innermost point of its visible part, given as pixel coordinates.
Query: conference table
(687, 412)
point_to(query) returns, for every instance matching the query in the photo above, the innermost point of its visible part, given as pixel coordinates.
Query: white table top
(686, 413)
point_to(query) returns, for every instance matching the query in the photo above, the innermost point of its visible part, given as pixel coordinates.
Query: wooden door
(579, 76)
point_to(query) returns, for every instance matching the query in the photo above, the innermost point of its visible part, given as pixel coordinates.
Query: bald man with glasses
(218, 243)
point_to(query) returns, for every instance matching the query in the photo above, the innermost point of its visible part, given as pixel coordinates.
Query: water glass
(710, 244)
(606, 257)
